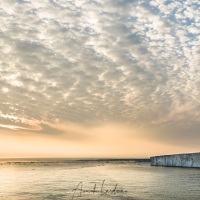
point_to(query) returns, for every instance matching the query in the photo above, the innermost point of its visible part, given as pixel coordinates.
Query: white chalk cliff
(177, 160)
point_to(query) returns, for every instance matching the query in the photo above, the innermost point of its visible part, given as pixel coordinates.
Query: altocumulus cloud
(91, 62)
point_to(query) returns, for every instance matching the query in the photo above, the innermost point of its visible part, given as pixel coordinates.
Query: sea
(75, 179)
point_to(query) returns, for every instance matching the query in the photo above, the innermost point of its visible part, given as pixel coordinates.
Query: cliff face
(177, 160)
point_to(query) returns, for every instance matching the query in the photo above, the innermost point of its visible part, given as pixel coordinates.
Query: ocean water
(92, 180)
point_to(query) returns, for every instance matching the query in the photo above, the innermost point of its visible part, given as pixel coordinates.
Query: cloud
(95, 62)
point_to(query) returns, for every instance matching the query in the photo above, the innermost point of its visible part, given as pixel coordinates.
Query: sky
(99, 78)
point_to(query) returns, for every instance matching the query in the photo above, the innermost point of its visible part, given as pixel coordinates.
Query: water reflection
(58, 180)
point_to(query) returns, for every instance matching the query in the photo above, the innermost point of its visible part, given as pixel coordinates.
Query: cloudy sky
(99, 78)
